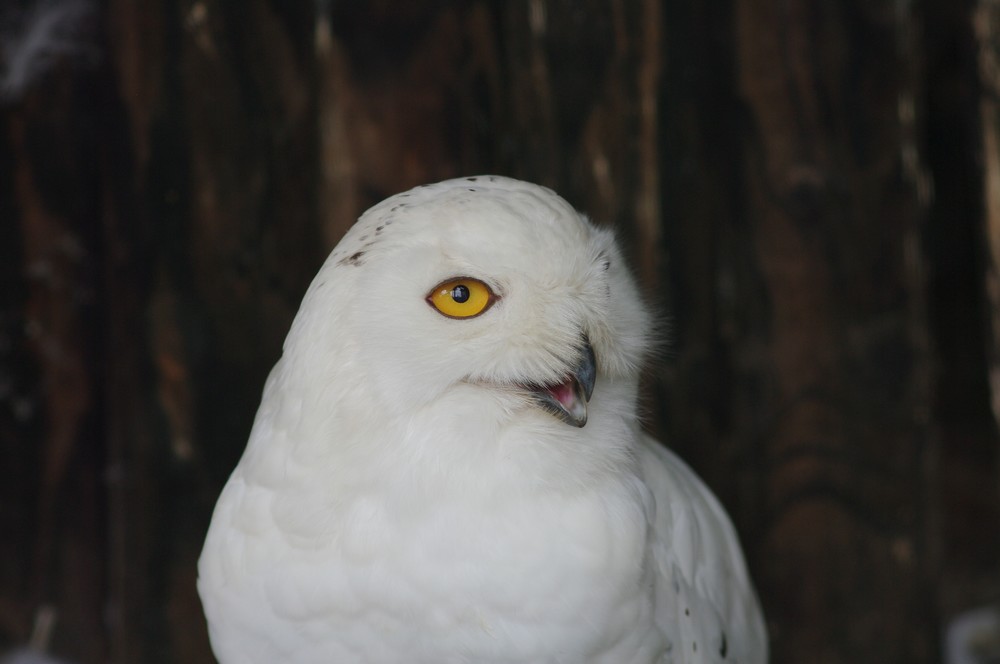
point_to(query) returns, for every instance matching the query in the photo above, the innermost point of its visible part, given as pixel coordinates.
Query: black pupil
(460, 293)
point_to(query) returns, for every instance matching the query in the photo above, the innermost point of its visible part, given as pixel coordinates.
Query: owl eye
(463, 297)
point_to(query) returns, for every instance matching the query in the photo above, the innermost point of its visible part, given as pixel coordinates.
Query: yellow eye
(463, 297)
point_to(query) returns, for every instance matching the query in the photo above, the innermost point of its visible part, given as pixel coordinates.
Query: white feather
(403, 499)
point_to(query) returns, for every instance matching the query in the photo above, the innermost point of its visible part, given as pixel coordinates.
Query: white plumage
(421, 488)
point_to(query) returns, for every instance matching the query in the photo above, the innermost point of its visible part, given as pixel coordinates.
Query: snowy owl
(447, 465)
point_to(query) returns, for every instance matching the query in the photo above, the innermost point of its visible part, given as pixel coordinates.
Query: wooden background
(811, 188)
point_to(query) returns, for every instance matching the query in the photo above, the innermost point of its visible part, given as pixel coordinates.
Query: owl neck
(472, 439)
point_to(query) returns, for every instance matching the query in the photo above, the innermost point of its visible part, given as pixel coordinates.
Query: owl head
(485, 286)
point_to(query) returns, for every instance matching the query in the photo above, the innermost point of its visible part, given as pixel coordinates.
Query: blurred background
(809, 188)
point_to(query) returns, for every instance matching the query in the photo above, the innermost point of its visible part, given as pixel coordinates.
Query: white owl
(447, 465)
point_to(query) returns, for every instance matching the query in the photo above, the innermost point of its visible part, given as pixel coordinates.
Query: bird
(448, 465)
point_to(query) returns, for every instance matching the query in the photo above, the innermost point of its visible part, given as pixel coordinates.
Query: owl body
(426, 486)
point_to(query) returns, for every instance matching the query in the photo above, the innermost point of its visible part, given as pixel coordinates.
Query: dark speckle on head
(353, 259)
(472, 188)
(606, 263)
(363, 238)
(687, 611)
(694, 646)
(471, 179)
(724, 646)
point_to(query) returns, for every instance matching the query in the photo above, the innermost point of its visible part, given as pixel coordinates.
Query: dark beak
(568, 400)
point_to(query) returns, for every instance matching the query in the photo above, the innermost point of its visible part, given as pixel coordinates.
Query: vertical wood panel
(838, 392)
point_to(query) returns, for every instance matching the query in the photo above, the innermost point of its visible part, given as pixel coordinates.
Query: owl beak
(568, 400)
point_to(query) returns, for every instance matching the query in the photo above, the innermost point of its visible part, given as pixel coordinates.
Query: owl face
(490, 283)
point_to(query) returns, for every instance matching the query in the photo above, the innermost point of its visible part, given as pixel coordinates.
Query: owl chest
(464, 576)
(477, 547)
